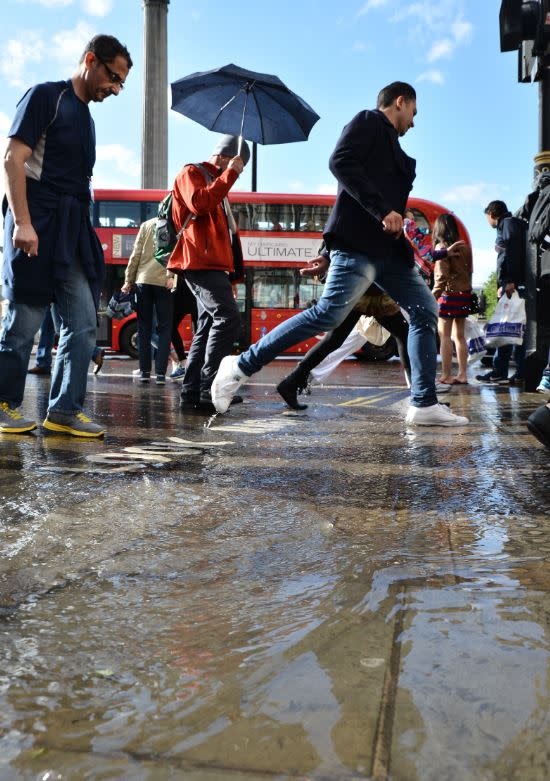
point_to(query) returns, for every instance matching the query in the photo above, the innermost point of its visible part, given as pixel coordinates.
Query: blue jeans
(49, 328)
(349, 275)
(154, 299)
(76, 309)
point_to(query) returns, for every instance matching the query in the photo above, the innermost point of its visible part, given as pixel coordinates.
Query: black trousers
(218, 326)
(185, 303)
(395, 324)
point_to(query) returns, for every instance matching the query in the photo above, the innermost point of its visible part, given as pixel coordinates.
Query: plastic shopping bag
(371, 329)
(353, 343)
(507, 324)
(475, 339)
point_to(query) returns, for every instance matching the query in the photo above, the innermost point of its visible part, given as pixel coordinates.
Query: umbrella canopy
(256, 106)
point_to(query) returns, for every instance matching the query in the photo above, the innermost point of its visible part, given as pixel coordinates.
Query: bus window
(150, 210)
(241, 296)
(309, 292)
(274, 289)
(240, 215)
(118, 214)
(421, 219)
(267, 216)
(313, 218)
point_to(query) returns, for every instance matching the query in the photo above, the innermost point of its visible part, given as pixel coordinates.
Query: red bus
(279, 234)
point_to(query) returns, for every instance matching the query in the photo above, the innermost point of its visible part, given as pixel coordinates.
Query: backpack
(165, 236)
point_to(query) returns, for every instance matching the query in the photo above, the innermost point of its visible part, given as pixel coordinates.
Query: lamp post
(525, 27)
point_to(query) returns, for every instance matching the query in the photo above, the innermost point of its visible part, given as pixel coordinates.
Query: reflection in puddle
(320, 598)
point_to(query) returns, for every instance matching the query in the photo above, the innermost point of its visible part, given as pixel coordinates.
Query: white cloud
(478, 193)
(327, 189)
(5, 123)
(370, 4)
(484, 263)
(97, 7)
(438, 26)
(68, 45)
(296, 186)
(462, 31)
(17, 55)
(436, 77)
(439, 49)
(125, 159)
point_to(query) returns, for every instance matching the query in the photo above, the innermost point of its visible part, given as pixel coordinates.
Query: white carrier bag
(475, 339)
(507, 324)
(354, 342)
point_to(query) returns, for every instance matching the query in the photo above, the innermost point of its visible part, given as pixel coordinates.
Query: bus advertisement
(279, 235)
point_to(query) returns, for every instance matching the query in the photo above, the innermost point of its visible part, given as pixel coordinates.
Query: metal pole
(537, 290)
(254, 167)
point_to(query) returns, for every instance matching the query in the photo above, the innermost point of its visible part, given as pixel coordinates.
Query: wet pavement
(324, 596)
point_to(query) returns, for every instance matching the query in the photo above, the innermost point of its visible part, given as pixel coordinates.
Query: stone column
(154, 143)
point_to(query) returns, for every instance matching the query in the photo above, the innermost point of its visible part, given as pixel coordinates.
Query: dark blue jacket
(65, 233)
(374, 177)
(510, 246)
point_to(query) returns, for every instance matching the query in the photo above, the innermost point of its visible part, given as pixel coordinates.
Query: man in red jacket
(204, 256)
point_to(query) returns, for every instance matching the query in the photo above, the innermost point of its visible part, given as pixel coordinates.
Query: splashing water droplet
(211, 420)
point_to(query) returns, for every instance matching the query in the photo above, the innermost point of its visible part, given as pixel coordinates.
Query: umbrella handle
(247, 88)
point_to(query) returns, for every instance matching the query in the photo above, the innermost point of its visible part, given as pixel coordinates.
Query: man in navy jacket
(51, 252)
(365, 241)
(510, 247)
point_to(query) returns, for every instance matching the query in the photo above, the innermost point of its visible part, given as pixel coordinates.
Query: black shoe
(41, 370)
(538, 424)
(515, 380)
(98, 360)
(144, 376)
(289, 389)
(205, 402)
(188, 403)
(492, 379)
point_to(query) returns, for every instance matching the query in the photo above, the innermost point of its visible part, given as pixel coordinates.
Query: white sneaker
(436, 415)
(441, 387)
(227, 382)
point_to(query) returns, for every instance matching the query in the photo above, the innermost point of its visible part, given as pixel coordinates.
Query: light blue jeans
(76, 310)
(49, 328)
(349, 276)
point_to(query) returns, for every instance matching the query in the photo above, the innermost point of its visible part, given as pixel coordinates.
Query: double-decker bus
(279, 234)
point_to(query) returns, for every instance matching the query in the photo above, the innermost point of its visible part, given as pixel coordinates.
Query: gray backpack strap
(208, 178)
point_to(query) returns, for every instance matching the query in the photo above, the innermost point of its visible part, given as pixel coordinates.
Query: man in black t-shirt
(51, 251)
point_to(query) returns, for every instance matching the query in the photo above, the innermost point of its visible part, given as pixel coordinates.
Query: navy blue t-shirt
(59, 128)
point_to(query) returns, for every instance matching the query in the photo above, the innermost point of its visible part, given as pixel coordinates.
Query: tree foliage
(490, 290)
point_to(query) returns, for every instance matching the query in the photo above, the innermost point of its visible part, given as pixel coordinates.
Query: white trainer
(441, 387)
(435, 415)
(226, 383)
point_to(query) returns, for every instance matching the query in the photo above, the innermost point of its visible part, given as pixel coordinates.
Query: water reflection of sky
(491, 668)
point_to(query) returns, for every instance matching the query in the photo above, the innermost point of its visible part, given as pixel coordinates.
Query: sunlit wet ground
(324, 596)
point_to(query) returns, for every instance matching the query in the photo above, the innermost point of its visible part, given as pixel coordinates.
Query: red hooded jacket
(205, 243)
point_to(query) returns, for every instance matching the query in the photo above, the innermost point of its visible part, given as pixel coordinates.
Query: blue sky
(476, 131)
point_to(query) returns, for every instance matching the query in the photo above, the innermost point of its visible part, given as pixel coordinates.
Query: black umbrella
(255, 106)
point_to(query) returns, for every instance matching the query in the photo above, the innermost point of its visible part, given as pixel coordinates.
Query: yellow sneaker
(78, 424)
(11, 422)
